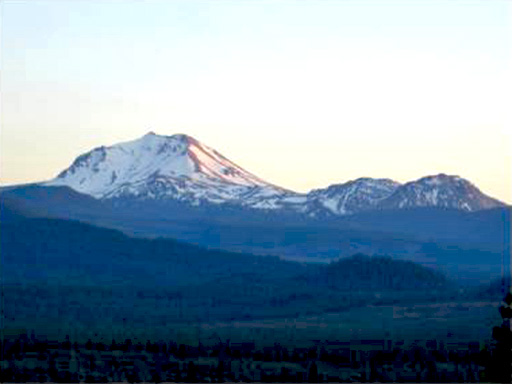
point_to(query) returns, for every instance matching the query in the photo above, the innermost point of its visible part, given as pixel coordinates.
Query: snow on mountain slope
(442, 191)
(181, 168)
(353, 196)
(157, 166)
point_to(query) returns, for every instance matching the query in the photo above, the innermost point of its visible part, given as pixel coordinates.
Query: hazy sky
(302, 93)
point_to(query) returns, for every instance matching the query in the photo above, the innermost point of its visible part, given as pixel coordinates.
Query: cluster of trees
(361, 272)
(158, 361)
(73, 273)
(154, 360)
(501, 365)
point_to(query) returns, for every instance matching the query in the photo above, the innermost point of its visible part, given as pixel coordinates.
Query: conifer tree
(500, 369)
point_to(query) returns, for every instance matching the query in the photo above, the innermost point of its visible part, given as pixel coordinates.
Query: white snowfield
(180, 167)
(154, 166)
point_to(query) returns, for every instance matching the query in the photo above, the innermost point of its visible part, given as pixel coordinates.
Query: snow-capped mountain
(353, 196)
(181, 168)
(365, 194)
(156, 166)
(440, 191)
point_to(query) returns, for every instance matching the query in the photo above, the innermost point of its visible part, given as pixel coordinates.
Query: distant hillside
(468, 245)
(362, 272)
(78, 253)
(63, 272)
(37, 201)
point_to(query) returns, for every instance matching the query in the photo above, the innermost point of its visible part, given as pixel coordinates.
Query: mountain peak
(153, 135)
(441, 178)
(179, 167)
(177, 138)
(441, 190)
(354, 195)
(157, 165)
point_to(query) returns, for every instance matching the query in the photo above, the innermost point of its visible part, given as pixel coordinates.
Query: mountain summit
(441, 190)
(353, 196)
(156, 166)
(181, 168)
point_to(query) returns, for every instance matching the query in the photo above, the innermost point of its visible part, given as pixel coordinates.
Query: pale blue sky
(302, 93)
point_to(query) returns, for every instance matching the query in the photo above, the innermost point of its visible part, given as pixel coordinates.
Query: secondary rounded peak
(440, 178)
(372, 180)
(366, 181)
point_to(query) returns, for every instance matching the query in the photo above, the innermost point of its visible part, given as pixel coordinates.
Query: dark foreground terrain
(87, 304)
(26, 359)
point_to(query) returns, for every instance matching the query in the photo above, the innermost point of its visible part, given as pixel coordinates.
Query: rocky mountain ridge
(181, 168)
